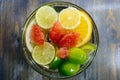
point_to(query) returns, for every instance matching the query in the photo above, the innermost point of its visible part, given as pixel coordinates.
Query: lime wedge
(43, 54)
(89, 47)
(46, 16)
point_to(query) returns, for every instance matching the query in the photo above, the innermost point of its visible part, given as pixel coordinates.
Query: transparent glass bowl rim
(43, 70)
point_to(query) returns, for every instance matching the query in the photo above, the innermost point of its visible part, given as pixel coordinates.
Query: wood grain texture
(106, 14)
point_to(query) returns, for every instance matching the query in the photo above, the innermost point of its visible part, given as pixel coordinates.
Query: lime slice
(68, 68)
(56, 63)
(27, 36)
(46, 16)
(43, 54)
(89, 47)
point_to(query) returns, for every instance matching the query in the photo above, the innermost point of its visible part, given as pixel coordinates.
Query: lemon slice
(69, 18)
(27, 35)
(43, 54)
(84, 28)
(46, 16)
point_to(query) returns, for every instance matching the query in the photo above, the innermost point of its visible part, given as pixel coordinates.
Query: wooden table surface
(106, 14)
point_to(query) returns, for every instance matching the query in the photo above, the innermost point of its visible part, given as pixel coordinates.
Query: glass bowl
(44, 71)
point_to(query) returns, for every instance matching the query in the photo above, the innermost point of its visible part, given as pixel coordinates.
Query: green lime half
(43, 54)
(46, 16)
(56, 63)
(68, 68)
(77, 55)
(89, 47)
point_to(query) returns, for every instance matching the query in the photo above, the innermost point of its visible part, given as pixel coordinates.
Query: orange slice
(85, 29)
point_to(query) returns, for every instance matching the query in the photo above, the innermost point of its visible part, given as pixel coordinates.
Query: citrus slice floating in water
(46, 16)
(27, 38)
(84, 28)
(43, 54)
(69, 18)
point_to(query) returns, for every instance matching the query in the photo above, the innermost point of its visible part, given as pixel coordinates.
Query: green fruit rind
(89, 47)
(68, 68)
(55, 64)
(77, 56)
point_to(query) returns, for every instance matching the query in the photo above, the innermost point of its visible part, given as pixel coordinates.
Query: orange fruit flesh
(84, 29)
